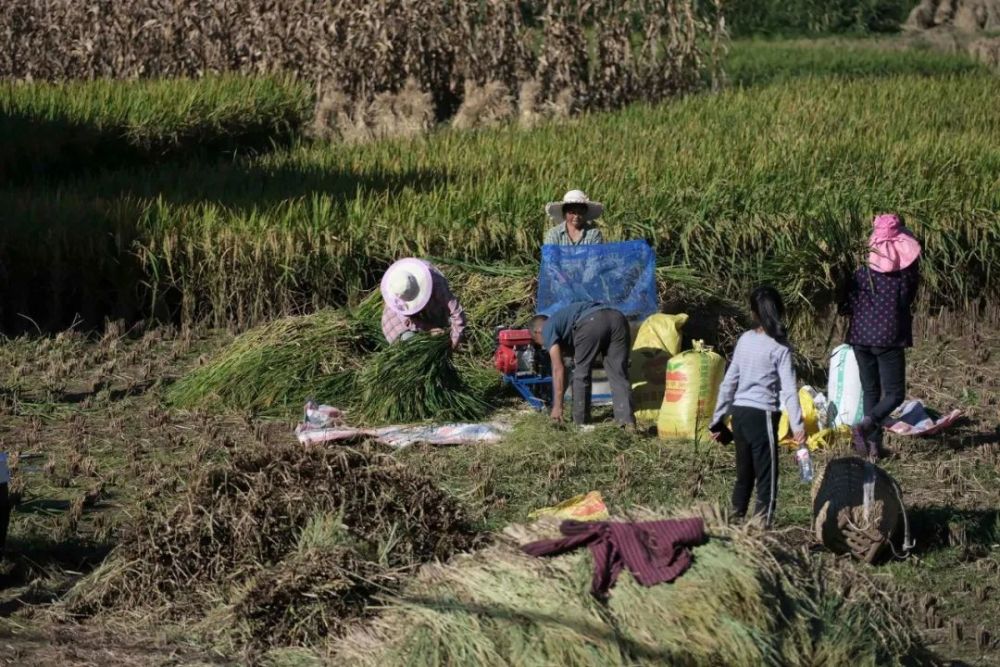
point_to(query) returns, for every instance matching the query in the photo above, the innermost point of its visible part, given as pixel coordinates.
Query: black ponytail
(769, 310)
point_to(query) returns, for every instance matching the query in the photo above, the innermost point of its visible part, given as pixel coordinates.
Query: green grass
(753, 62)
(55, 129)
(541, 464)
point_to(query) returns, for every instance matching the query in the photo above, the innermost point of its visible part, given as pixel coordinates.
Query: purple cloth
(653, 551)
(443, 311)
(880, 306)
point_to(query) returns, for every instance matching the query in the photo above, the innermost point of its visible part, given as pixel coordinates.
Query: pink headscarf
(893, 247)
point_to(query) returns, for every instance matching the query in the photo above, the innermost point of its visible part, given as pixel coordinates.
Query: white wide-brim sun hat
(555, 208)
(406, 285)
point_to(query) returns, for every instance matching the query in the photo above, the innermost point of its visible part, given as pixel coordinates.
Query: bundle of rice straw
(278, 366)
(415, 380)
(746, 600)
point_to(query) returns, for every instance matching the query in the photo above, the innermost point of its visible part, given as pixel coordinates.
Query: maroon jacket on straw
(653, 551)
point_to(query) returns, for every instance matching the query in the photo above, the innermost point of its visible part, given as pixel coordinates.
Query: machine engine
(515, 354)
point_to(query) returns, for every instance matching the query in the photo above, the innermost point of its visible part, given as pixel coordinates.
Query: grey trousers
(603, 332)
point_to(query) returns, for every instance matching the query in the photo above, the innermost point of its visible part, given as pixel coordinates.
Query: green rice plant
(753, 62)
(415, 380)
(742, 187)
(746, 600)
(54, 129)
(773, 183)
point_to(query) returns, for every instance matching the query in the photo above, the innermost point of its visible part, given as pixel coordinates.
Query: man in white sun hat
(417, 297)
(574, 213)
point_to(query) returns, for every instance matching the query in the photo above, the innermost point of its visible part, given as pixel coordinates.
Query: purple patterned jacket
(880, 306)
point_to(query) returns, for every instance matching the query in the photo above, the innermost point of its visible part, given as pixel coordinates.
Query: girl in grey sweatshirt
(760, 381)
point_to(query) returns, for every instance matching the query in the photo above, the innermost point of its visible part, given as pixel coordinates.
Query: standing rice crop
(53, 130)
(733, 188)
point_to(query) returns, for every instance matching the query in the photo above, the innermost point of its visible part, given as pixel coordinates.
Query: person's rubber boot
(876, 450)
(859, 436)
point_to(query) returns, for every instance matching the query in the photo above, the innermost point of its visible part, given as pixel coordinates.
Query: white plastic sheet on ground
(317, 429)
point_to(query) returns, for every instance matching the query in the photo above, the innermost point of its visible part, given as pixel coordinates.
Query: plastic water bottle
(805, 463)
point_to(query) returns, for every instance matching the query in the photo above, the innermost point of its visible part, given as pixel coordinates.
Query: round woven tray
(857, 509)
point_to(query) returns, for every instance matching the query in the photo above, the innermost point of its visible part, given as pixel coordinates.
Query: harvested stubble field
(766, 181)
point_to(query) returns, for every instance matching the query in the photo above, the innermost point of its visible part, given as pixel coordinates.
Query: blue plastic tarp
(622, 275)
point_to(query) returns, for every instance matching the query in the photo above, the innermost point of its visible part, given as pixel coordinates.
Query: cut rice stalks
(416, 380)
(746, 600)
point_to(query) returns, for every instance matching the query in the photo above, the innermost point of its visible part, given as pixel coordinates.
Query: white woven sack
(844, 393)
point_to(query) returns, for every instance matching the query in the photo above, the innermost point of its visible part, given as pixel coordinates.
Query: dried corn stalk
(367, 50)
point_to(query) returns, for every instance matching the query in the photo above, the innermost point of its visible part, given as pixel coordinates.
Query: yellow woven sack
(809, 417)
(584, 507)
(817, 436)
(659, 338)
(692, 387)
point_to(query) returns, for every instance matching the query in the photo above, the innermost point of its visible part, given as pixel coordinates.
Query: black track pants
(755, 436)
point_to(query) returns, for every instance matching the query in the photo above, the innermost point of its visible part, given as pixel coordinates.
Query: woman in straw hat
(880, 303)
(574, 215)
(417, 297)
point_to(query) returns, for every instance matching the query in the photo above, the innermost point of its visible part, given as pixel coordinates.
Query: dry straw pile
(747, 600)
(381, 67)
(281, 545)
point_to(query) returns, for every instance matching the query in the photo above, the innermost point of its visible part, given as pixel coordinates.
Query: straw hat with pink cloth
(892, 246)
(406, 285)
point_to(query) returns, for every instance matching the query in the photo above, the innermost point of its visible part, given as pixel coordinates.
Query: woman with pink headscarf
(880, 303)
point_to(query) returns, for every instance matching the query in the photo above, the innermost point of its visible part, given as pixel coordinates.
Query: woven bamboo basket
(858, 509)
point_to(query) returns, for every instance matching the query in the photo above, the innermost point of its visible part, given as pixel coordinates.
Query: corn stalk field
(765, 183)
(580, 53)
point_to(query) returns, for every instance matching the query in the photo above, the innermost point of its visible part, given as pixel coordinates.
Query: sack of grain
(659, 338)
(692, 385)
(844, 390)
